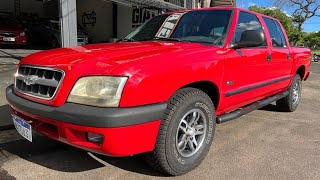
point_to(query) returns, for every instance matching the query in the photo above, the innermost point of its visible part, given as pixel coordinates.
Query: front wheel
(291, 102)
(186, 133)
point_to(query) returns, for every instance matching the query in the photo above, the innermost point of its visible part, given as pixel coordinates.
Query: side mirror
(250, 38)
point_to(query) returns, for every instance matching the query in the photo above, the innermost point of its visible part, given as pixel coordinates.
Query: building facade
(103, 20)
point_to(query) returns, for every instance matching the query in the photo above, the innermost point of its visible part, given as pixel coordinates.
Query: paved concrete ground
(264, 144)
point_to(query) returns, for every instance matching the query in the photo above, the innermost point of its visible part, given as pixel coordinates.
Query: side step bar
(247, 109)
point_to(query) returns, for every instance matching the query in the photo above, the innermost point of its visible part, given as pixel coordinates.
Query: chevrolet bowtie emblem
(30, 80)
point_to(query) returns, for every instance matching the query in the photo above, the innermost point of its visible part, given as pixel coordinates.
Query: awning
(149, 3)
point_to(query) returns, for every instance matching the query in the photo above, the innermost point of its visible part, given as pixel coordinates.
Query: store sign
(141, 15)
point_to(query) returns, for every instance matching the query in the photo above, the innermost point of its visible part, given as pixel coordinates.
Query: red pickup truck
(162, 89)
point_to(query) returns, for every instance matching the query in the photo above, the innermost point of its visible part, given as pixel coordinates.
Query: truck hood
(103, 58)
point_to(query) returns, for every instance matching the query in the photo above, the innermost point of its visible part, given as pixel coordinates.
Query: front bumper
(126, 131)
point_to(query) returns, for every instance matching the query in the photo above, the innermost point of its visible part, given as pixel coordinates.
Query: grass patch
(316, 52)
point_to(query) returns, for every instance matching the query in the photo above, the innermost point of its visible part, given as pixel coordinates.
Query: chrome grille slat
(41, 81)
(38, 82)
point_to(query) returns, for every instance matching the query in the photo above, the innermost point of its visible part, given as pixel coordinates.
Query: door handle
(288, 56)
(269, 57)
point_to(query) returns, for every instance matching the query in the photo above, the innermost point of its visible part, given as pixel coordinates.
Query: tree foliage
(312, 40)
(294, 34)
(304, 9)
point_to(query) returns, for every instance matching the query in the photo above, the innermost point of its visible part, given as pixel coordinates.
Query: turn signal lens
(95, 138)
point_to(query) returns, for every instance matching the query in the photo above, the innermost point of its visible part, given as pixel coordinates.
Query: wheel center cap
(191, 132)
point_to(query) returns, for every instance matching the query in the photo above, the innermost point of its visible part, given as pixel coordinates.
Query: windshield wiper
(201, 42)
(167, 39)
(149, 39)
(126, 40)
(181, 40)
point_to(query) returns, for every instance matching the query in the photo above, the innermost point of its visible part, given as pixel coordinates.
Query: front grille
(38, 81)
(8, 34)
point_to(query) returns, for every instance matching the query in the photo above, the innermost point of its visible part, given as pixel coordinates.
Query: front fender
(157, 84)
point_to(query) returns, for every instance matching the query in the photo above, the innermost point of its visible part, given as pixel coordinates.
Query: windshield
(205, 26)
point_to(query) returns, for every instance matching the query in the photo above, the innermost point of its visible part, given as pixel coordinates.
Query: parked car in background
(316, 57)
(82, 36)
(11, 31)
(161, 90)
(48, 32)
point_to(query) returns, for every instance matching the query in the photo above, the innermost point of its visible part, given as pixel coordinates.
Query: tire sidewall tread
(286, 104)
(165, 157)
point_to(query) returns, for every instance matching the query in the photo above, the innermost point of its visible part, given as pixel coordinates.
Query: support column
(68, 22)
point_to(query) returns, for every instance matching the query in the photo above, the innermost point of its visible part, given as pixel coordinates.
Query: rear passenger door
(281, 60)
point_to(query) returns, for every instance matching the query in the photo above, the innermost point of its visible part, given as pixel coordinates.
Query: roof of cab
(220, 8)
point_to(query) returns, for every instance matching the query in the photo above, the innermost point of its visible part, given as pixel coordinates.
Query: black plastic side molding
(247, 109)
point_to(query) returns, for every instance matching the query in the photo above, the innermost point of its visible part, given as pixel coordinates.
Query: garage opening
(29, 23)
(46, 24)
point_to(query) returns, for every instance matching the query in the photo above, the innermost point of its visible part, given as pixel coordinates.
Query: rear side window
(281, 33)
(276, 33)
(246, 21)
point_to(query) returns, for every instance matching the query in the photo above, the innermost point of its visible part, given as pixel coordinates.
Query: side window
(275, 31)
(246, 21)
(281, 33)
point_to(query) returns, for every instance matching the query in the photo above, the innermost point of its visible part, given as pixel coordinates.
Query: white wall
(130, 18)
(124, 21)
(102, 29)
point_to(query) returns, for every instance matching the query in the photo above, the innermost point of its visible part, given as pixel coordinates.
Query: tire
(315, 58)
(182, 107)
(291, 102)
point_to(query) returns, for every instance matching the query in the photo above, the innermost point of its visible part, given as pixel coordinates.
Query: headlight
(22, 34)
(102, 91)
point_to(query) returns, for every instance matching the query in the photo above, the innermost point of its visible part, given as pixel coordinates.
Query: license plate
(22, 127)
(9, 39)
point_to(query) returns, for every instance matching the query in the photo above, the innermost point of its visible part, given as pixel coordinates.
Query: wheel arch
(208, 87)
(301, 71)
